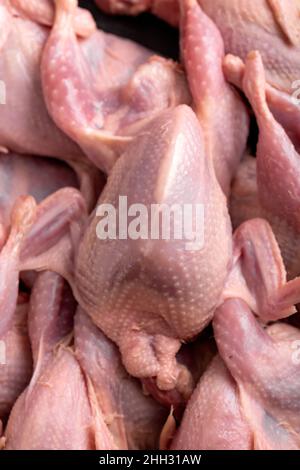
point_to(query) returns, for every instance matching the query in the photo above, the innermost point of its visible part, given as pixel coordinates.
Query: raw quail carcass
(134, 419)
(274, 194)
(247, 398)
(23, 175)
(270, 26)
(42, 11)
(25, 126)
(221, 112)
(103, 408)
(98, 113)
(54, 411)
(22, 42)
(27, 181)
(16, 361)
(277, 156)
(35, 231)
(156, 294)
(265, 366)
(195, 356)
(213, 419)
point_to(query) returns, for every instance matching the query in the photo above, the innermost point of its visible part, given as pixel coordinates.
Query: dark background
(146, 29)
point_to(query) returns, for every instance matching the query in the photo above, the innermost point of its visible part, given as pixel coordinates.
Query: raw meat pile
(143, 344)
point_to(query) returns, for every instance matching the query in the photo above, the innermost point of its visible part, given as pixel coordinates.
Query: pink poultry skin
(21, 43)
(25, 64)
(147, 296)
(38, 421)
(221, 112)
(268, 387)
(155, 294)
(103, 408)
(32, 224)
(168, 10)
(134, 419)
(38, 177)
(213, 418)
(43, 13)
(98, 114)
(270, 26)
(17, 370)
(277, 161)
(248, 397)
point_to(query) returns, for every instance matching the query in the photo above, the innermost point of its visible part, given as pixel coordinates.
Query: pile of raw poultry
(142, 344)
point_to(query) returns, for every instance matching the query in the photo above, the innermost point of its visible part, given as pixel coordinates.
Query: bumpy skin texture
(268, 387)
(39, 420)
(27, 228)
(221, 111)
(132, 7)
(25, 124)
(42, 11)
(213, 418)
(22, 217)
(107, 114)
(135, 420)
(15, 373)
(49, 414)
(156, 293)
(245, 205)
(277, 156)
(277, 160)
(168, 10)
(270, 26)
(195, 356)
(38, 177)
(249, 397)
(103, 407)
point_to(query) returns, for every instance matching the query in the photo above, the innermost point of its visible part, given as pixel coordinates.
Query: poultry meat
(270, 26)
(149, 227)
